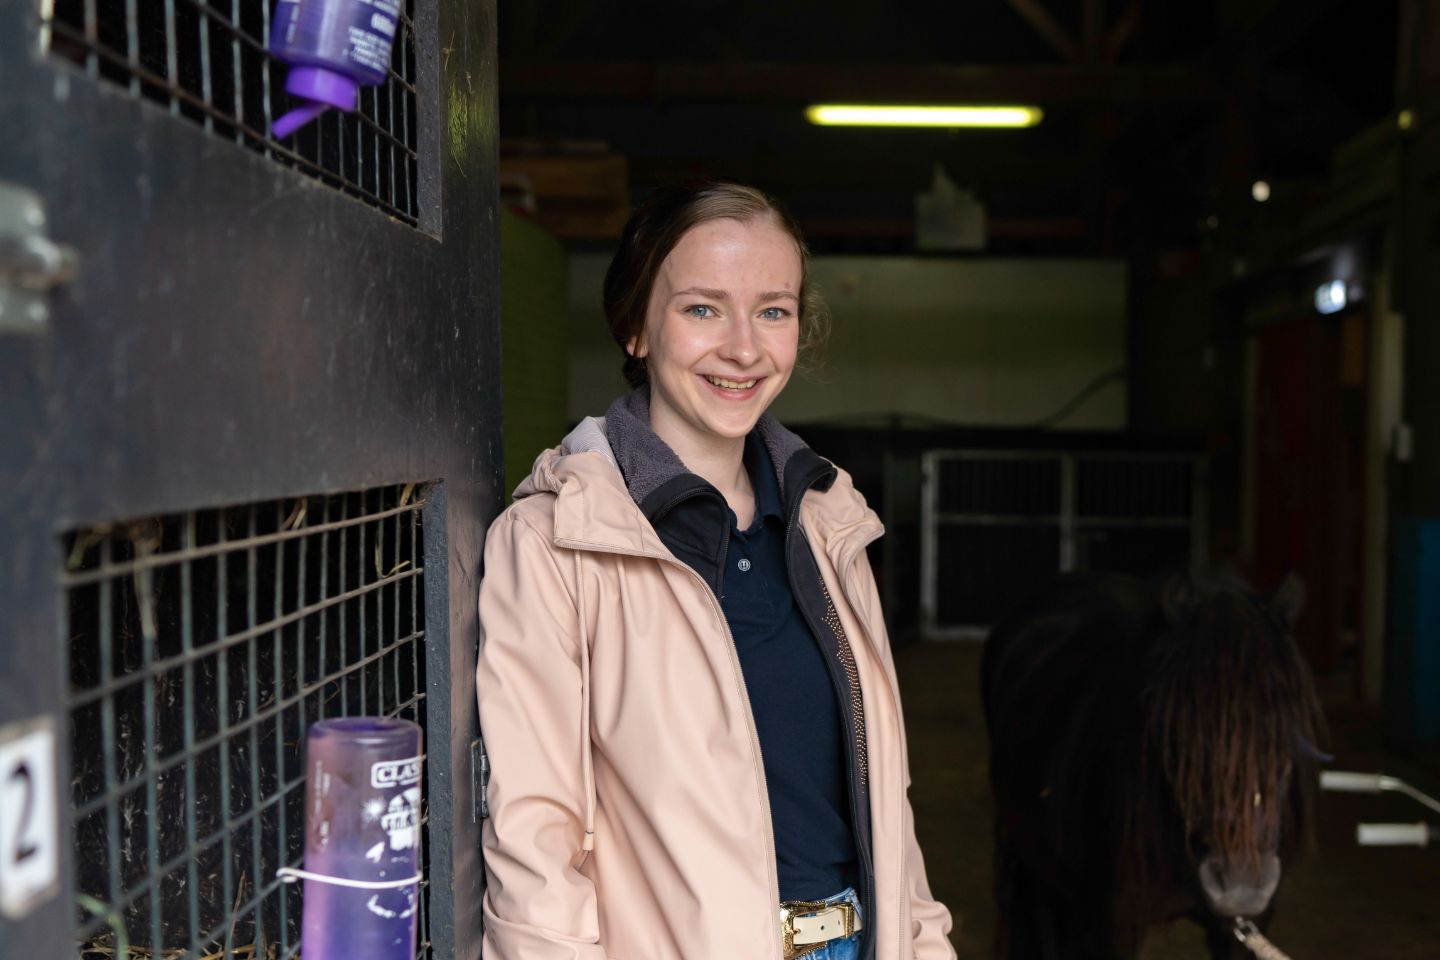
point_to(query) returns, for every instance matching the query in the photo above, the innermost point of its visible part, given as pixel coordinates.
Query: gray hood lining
(589, 437)
(647, 462)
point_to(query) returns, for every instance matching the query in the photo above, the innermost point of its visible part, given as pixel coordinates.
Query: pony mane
(1227, 705)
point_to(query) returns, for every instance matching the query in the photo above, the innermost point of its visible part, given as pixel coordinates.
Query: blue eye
(774, 313)
(700, 311)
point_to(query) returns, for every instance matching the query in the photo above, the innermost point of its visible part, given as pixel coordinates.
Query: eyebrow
(715, 294)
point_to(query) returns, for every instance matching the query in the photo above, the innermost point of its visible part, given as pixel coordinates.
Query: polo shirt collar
(763, 479)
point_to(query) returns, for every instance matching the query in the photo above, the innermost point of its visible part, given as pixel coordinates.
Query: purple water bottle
(333, 47)
(362, 840)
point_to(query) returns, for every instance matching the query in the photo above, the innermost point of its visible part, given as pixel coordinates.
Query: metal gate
(995, 524)
(249, 446)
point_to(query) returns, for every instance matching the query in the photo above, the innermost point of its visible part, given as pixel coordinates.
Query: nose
(1235, 892)
(739, 345)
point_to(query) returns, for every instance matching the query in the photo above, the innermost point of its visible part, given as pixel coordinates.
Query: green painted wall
(977, 341)
(535, 319)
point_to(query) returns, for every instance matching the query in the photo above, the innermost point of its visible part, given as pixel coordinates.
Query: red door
(1309, 479)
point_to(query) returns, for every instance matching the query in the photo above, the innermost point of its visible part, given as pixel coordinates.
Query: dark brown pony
(1151, 757)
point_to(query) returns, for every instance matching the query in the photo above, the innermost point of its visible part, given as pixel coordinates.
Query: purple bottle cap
(323, 89)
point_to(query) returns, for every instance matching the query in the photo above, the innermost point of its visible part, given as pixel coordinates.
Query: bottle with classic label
(362, 839)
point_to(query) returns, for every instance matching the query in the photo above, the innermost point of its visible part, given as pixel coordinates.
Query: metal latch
(31, 264)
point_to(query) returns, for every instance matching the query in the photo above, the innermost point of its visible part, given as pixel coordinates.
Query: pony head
(1230, 714)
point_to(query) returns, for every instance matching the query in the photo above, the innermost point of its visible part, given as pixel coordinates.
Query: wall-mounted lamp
(857, 115)
(1260, 190)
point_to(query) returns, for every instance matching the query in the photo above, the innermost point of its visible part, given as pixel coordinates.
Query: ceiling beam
(667, 82)
(1034, 13)
(1093, 29)
(1121, 33)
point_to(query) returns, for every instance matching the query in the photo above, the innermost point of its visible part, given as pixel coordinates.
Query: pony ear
(1287, 602)
(1178, 598)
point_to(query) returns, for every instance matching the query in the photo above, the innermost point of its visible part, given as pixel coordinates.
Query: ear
(636, 347)
(1288, 600)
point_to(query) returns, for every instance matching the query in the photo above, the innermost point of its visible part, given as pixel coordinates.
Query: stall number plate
(29, 852)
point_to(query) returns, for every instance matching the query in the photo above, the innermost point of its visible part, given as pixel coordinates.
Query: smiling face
(721, 332)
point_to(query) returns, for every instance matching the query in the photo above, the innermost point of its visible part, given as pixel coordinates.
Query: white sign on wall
(29, 840)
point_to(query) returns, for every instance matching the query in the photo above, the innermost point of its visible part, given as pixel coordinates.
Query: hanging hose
(1250, 935)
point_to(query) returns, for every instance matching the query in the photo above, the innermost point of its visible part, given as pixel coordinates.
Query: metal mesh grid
(201, 647)
(1155, 488)
(208, 62)
(997, 522)
(1000, 485)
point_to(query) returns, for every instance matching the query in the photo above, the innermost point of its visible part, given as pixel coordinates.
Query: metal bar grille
(201, 646)
(207, 61)
(997, 523)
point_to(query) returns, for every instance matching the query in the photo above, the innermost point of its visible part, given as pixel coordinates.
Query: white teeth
(731, 384)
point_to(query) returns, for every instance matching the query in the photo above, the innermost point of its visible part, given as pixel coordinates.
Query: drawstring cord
(586, 772)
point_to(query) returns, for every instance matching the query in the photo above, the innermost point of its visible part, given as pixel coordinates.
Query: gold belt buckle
(794, 908)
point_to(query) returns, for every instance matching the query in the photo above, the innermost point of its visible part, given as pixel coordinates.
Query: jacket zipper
(901, 801)
(857, 746)
(846, 655)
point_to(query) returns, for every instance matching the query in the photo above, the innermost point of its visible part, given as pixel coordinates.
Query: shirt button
(744, 565)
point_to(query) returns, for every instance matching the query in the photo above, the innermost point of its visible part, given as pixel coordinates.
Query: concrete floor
(1344, 902)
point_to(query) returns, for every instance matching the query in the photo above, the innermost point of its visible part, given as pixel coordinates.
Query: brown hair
(656, 227)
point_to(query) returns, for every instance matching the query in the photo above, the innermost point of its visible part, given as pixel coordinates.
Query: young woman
(685, 684)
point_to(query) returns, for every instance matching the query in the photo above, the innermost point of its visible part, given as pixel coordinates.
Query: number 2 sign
(29, 858)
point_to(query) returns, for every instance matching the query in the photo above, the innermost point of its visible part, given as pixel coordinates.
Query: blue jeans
(843, 948)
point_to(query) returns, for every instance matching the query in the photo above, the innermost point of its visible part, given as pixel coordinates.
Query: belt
(807, 925)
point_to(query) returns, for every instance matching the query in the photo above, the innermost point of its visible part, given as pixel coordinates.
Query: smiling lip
(732, 387)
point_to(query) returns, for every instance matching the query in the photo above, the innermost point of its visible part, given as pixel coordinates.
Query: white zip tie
(291, 874)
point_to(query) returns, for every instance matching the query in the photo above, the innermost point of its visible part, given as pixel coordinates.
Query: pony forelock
(1229, 704)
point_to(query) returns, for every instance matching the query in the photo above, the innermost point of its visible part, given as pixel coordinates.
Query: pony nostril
(1239, 893)
(1212, 879)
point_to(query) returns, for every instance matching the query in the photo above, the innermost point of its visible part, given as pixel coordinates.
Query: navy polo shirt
(797, 713)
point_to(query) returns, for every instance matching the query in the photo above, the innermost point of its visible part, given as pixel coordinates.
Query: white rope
(1250, 935)
(291, 874)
